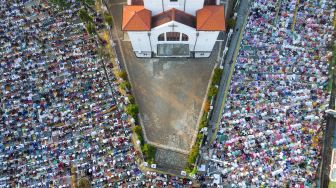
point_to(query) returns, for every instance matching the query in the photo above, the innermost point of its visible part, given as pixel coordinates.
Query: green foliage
(87, 2)
(217, 76)
(131, 99)
(194, 171)
(213, 90)
(102, 52)
(332, 63)
(193, 154)
(90, 28)
(108, 19)
(203, 122)
(102, 40)
(199, 138)
(149, 152)
(90, 2)
(192, 157)
(61, 3)
(123, 85)
(231, 23)
(132, 110)
(84, 16)
(123, 75)
(138, 131)
(128, 85)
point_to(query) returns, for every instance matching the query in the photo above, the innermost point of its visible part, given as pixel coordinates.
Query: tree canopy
(84, 16)
(149, 152)
(84, 183)
(108, 19)
(90, 27)
(132, 110)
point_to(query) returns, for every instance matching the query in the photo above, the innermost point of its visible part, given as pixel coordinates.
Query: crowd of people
(272, 125)
(59, 109)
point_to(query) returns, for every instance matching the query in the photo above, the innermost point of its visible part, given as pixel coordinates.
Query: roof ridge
(173, 13)
(141, 18)
(138, 15)
(209, 16)
(129, 20)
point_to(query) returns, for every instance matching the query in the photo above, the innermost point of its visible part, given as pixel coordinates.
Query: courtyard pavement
(170, 93)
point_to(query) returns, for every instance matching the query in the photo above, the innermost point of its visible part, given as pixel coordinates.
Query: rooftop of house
(173, 15)
(136, 18)
(209, 18)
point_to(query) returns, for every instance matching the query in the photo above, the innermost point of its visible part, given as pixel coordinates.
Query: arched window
(185, 37)
(173, 36)
(161, 37)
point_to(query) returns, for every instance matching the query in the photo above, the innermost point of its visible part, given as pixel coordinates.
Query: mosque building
(173, 28)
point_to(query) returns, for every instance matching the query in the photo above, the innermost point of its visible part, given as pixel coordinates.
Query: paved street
(228, 69)
(229, 61)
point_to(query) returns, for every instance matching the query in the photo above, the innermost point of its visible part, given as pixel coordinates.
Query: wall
(188, 6)
(142, 46)
(191, 32)
(154, 5)
(205, 43)
(140, 43)
(193, 5)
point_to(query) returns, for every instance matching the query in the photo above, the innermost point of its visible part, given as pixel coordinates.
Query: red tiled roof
(173, 14)
(210, 18)
(136, 18)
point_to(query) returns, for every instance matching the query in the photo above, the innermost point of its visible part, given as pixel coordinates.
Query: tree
(203, 122)
(84, 183)
(90, 28)
(217, 76)
(149, 152)
(125, 85)
(138, 131)
(206, 106)
(84, 16)
(213, 91)
(61, 3)
(132, 110)
(192, 156)
(131, 99)
(102, 52)
(108, 19)
(123, 75)
(73, 175)
(231, 23)
(87, 3)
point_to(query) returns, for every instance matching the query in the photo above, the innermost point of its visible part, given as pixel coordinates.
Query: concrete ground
(169, 92)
